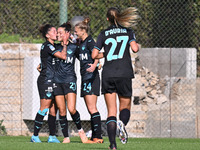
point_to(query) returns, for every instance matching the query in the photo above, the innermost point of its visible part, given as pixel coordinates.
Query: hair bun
(86, 20)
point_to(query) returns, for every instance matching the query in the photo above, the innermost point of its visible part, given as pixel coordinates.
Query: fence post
(63, 11)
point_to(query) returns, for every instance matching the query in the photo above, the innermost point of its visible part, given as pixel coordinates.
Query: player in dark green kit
(48, 54)
(117, 71)
(90, 84)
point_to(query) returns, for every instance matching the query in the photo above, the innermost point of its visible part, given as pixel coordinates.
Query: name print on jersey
(115, 31)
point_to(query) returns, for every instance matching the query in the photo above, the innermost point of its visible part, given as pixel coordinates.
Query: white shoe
(123, 136)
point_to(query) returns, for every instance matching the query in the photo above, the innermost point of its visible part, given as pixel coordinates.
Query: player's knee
(72, 110)
(92, 110)
(62, 112)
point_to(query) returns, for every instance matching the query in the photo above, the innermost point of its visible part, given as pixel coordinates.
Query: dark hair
(44, 29)
(127, 18)
(112, 14)
(84, 25)
(67, 26)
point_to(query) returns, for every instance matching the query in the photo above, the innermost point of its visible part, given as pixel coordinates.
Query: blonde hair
(84, 25)
(127, 18)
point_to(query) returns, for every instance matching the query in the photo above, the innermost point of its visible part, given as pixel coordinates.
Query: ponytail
(127, 18)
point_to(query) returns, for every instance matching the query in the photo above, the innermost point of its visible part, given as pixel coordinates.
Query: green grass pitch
(23, 143)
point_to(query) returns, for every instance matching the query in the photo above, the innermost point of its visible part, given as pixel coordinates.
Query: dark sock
(52, 125)
(111, 129)
(64, 125)
(96, 125)
(76, 119)
(124, 116)
(92, 128)
(38, 124)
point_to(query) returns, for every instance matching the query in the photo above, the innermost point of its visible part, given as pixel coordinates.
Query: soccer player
(65, 86)
(90, 85)
(117, 70)
(48, 54)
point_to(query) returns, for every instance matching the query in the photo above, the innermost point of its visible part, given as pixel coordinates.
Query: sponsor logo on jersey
(68, 60)
(83, 56)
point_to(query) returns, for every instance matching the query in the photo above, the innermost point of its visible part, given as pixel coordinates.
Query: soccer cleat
(113, 146)
(35, 139)
(123, 136)
(83, 137)
(53, 139)
(97, 140)
(66, 140)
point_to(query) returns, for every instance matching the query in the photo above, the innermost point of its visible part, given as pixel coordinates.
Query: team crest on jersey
(83, 48)
(69, 51)
(89, 41)
(51, 47)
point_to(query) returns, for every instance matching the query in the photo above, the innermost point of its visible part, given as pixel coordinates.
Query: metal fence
(165, 102)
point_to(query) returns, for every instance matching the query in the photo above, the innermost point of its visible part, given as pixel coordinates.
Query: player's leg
(124, 90)
(52, 123)
(91, 102)
(111, 120)
(71, 105)
(44, 107)
(124, 116)
(61, 104)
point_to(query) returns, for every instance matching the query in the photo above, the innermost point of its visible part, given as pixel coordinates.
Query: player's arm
(39, 68)
(134, 46)
(96, 54)
(63, 53)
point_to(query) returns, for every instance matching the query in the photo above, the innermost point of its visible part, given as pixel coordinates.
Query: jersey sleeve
(131, 36)
(99, 43)
(51, 49)
(91, 44)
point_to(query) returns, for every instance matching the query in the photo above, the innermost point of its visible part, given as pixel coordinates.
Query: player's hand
(100, 66)
(39, 68)
(92, 68)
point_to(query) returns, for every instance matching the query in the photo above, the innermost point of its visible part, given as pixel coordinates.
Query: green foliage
(171, 23)
(2, 128)
(25, 17)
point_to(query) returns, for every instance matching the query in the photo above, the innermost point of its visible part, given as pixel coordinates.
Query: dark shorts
(121, 86)
(45, 90)
(90, 87)
(64, 88)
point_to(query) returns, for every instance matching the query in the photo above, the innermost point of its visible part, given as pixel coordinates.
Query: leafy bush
(2, 128)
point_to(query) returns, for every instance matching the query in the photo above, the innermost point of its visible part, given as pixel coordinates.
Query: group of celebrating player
(57, 79)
